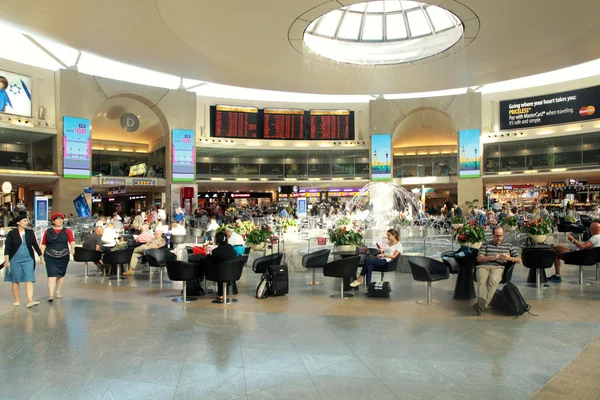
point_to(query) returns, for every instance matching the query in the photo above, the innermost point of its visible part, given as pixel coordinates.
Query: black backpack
(510, 302)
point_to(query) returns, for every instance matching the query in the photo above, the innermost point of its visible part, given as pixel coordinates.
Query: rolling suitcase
(279, 282)
(379, 289)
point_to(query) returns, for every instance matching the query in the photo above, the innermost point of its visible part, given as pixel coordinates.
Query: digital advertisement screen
(81, 206)
(283, 124)
(40, 212)
(234, 122)
(76, 147)
(137, 170)
(331, 125)
(15, 94)
(381, 157)
(184, 157)
(551, 109)
(470, 154)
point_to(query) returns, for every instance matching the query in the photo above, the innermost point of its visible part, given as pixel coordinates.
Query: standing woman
(57, 244)
(19, 260)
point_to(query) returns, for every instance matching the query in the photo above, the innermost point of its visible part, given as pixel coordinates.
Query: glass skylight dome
(383, 32)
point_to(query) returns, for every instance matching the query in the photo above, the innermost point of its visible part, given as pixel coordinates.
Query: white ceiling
(249, 43)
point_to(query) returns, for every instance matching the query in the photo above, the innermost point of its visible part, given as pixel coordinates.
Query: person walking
(58, 244)
(19, 260)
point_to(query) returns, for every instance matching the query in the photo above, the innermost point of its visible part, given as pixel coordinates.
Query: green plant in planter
(243, 228)
(402, 220)
(346, 237)
(343, 221)
(540, 226)
(287, 222)
(470, 233)
(258, 236)
(471, 204)
(458, 219)
(510, 221)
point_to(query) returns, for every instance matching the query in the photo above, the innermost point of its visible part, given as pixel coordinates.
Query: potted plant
(343, 221)
(402, 221)
(470, 234)
(538, 229)
(346, 239)
(471, 205)
(457, 221)
(257, 237)
(510, 224)
(289, 224)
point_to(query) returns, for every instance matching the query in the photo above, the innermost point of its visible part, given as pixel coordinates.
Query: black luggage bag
(278, 280)
(379, 289)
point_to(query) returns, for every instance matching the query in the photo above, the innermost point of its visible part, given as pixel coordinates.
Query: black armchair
(391, 267)
(537, 260)
(183, 271)
(118, 258)
(177, 239)
(428, 270)
(260, 264)
(582, 258)
(343, 268)
(157, 258)
(228, 271)
(316, 259)
(86, 255)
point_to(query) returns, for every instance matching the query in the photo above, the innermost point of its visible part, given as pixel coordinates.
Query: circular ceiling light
(383, 32)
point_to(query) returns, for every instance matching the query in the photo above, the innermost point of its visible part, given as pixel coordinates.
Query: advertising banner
(76, 147)
(15, 94)
(183, 155)
(381, 157)
(40, 211)
(551, 109)
(470, 155)
(301, 208)
(81, 206)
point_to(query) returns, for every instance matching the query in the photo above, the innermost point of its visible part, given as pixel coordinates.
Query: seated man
(236, 240)
(139, 251)
(561, 250)
(94, 242)
(146, 235)
(493, 257)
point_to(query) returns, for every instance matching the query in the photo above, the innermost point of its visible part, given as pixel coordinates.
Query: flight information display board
(234, 122)
(331, 125)
(283, 124)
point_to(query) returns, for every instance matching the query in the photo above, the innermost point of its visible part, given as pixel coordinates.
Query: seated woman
(223, 252)
(381, 262)
(110, 236)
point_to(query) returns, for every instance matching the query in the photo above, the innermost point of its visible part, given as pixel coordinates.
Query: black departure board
(283, 124)
(331, 125)
(234, 122)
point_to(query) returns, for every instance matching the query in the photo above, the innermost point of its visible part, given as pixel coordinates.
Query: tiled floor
(129, 341)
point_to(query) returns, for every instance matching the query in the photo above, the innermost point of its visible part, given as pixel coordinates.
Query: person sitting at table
(146, 235)
(160, 226)
(392, 250)
(139, 251)
(94, 242)
(236, 240)
(110, 236)
(223, 252)
(493, 257)
(177, 229)
(560, 250)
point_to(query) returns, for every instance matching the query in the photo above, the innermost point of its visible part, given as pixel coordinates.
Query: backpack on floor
(262, 290)
(510, 302)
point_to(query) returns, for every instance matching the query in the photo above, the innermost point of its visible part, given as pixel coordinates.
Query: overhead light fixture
(575, 129)
(434, 152)
(314, 179)
(264, 179)
(505, 173)
(356, 178)
(290, 179)
(111, 149)
(217, 179)
(126, 151)
(325, 145)
(403, 96)
(398, 154)
(558, 170)
(531, 171)
(337, 179)
(242, 179)
(141, 151)
(410, 154)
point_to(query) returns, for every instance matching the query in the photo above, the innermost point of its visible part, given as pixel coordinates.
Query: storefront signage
(183, 155)
(557, 184)
(240, 195)
(551, 109)
(470, 153)
(76, 147)
(97, 198)
(381, 157)
(143, 182)
(117, 190)
(343, 192)
(514, 187)
(114, 182)
(15, 98)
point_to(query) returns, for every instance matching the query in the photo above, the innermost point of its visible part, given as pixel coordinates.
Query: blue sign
(40, 211)
(81, 206)
(76, 147)
(88, 189)
(301, 208)
(183, 154)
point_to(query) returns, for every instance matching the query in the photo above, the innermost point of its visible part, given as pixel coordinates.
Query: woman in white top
(381, 262)
(162, 227)
(212, 226)
(109, 237)
(177, 229)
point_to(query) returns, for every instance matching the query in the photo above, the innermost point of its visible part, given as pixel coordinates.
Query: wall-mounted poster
(15, 94)
(381, 157)
(470, 154)
(76, 147)
(183, 155)
(81, 206)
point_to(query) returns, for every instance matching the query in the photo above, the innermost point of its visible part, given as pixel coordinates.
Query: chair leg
(314, 279)
(118, 277)
(580, 281)
(382, 275)
(225, 299)
(429, 300)
(538, 278)
(341, 295)
(184, 298)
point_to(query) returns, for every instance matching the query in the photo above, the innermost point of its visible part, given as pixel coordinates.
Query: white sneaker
(355, 283)
(33, 304)
(17, 303)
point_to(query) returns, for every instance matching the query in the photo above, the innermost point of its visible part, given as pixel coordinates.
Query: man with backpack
(493, 257)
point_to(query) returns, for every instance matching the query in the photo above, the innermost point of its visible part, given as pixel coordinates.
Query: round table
(464, 289)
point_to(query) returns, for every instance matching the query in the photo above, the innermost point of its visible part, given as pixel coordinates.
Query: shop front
(126, 195)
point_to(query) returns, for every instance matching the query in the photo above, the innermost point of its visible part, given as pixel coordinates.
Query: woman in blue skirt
(19, 260)
(58, 244)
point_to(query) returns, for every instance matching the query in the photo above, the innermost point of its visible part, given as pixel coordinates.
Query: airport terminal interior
(299, 199)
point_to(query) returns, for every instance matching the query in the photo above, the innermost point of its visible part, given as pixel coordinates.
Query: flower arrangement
(510, 222)
(402, 220)
(343, 221)
(258, 235)
(458, 219)
(346, 237)
(470, 233)
(539, 226)
(243, 228)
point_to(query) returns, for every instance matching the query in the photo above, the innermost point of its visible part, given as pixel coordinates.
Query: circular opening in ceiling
(383, 32)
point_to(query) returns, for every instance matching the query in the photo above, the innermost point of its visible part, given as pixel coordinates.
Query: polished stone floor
(129, 341)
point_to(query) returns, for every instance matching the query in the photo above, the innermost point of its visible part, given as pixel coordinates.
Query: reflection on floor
(129, 341)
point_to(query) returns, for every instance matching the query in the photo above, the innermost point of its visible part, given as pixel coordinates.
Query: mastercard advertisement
(587, 111)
